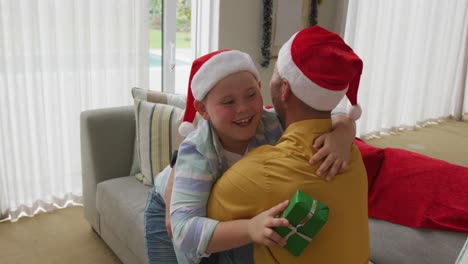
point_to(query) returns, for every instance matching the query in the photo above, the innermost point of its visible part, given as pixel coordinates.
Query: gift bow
(309, 215)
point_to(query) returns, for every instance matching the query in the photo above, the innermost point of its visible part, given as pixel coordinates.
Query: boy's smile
(244, 122)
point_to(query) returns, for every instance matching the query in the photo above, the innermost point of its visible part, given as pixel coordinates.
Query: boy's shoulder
(200, 134)
(200, 140)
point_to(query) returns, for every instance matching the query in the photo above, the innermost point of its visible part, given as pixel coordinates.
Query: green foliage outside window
(183, 19)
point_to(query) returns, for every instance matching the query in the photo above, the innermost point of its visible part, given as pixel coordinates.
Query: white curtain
(58, 58)
(415, 61)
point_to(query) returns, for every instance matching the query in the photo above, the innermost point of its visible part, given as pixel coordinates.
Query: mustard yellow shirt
(269, 175)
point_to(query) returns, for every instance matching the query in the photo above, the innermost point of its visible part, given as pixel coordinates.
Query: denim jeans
(240, 255)
(158, 245)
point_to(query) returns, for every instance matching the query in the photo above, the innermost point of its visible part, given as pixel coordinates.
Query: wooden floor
(64, 236)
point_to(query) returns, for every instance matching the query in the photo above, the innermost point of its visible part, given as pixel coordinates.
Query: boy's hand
(336, 149)
(260, 226)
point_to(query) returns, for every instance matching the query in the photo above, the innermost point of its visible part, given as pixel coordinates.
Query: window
(180, 31)
(171, 52)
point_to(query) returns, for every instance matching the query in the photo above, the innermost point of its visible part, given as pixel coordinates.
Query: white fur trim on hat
(217, 68)
(302, 87)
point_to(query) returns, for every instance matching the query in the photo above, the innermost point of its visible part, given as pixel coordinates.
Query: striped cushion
(177, 100)
(158, 116)
(157, 137)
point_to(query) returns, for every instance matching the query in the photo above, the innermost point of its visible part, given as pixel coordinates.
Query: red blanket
(414, 190)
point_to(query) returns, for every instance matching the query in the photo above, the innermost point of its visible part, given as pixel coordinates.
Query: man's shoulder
(265, 152)
(256, 158)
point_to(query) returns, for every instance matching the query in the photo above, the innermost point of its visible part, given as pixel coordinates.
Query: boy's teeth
(243, 121)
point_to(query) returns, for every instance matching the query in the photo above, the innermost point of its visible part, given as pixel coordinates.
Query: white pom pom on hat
(186, 128)
(206, 72)
(321, 68)
(355, 112)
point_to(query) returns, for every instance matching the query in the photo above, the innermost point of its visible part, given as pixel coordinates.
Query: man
(315, 69)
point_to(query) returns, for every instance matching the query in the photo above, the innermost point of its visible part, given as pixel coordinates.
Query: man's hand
(260, 227)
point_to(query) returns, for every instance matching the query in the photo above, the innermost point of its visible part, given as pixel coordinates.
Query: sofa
(114, 201)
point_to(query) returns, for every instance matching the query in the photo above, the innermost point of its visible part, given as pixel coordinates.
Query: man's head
(317, 67)
(224, 88)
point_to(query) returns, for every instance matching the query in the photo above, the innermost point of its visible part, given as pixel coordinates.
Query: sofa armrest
(107, 141)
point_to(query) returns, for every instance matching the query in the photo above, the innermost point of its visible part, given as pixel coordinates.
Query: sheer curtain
(58, 58)
(415, 61)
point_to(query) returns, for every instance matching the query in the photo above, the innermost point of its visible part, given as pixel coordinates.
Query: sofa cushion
(158, 116)
(156, 97)
(393, 243)
(157, 136)
(177, 100)
(373, 158)
(121, 203)
(419, 191)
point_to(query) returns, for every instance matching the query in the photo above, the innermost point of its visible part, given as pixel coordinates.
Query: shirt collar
(307, 130)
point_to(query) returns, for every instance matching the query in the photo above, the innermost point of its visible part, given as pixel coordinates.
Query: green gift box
(306, 217)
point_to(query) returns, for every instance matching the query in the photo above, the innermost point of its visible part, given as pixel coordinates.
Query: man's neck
(296, 113)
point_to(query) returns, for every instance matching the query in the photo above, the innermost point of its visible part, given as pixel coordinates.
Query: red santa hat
(206, 72)
(321, 68)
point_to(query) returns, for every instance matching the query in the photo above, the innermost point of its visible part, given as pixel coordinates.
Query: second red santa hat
(321, 68)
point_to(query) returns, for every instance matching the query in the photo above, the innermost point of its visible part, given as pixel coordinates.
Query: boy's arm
(191, 229)
(236, 233)
(170, 183)
(334, 147)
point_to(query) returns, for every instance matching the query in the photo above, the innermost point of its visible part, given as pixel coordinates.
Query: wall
(240, 27)
(332, 15)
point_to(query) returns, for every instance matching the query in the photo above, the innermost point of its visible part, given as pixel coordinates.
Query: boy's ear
(201, 108)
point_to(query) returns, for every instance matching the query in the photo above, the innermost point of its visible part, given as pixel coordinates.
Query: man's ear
(201, 108)
(285, 91)
(259, 85)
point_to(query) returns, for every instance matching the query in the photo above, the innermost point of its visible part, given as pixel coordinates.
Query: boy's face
(234, 107)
